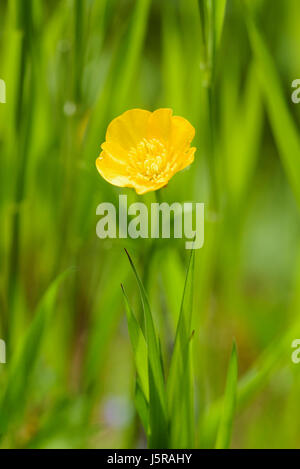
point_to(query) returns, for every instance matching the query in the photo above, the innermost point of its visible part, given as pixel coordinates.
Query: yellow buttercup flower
(144, 150)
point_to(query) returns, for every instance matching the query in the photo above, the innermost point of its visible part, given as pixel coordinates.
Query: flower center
(148, 159)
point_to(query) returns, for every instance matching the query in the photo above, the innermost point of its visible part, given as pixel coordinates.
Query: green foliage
(158, 421)
(229, 403)
(77, 375)
(170, 407)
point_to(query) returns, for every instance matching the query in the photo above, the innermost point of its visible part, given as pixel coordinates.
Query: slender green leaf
(229, 403)
(158, 424)
(284, 128)
(220, 9)
(142, 406)
(180, 385)
(14, 397)
(139, 347)
(250, 384)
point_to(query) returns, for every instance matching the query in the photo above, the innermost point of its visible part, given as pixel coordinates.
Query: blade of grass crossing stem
(142, 406)
(139, 347)
(13, 400)
(158, 423)
(180, 380)
(283, 126)
(229, 403)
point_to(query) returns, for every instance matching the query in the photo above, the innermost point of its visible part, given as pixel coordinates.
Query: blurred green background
(70, 67)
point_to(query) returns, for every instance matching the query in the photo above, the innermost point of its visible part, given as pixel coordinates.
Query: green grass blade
(251, 384)
(180, 380)
(212, 13)
(14, 397)
(284, 128)
(139, 347)
(158, 423)
(269, 361)
(243, 124)
(142, 406)
(173, 284)
(105, 317)
(220, 10)
(172, 58)
(131, 52)
(229, 403)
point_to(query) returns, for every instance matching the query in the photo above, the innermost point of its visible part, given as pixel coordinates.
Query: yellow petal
(128, 129)
(182, 135)
(187, 159)
(115, 152)
(144, 150)
(143, 189)
(115, 172)
(160, 125)
(112, 171)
